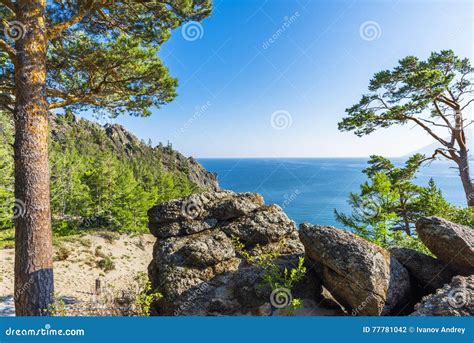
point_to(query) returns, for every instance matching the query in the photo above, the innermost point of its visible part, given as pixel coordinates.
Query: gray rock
(268, 224)
(237, 206)
(454, 299)
(451, 243)
(199, 250)
(195, 263)
(207, 250)
(361, 276)
(188, 227)
(180, 285)
(428, 273)
(215, 206)
(197, 174)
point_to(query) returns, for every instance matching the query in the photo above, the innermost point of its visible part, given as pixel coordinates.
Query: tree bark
(462, 159)
(466, 177)
(34, 283)
(403, 214)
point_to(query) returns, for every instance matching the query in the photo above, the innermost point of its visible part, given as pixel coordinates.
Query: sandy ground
(78, 266)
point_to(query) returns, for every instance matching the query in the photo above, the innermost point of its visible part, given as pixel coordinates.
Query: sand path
(80, 261)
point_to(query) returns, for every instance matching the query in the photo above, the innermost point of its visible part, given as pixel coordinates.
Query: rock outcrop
(454, 299)
(361, 276)
(427, 273)
(121, 143)
(198, 262)
(204, 263)
(451, 243)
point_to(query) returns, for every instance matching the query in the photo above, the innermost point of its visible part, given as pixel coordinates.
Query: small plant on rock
(279, 280)
(146, 295)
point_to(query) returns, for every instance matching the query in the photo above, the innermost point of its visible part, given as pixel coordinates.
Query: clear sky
(243, 94)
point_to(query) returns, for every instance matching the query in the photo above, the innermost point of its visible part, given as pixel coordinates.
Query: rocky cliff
(202, 260)
(222, 253)
(128, 147)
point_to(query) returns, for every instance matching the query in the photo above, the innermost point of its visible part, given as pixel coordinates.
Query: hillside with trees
(102, 178)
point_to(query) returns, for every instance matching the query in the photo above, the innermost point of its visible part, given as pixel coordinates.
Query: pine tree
(434, 95)
(97, 55)
(389, 204)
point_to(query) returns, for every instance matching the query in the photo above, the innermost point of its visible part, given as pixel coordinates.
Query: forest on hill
(102, 178)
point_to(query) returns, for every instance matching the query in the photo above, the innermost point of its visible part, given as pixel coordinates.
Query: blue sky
(233, 79)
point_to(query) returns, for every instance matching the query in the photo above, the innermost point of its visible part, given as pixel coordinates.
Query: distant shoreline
(309, 189)
(310, 158)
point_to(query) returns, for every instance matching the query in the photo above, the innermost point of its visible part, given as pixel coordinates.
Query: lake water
(309, 189)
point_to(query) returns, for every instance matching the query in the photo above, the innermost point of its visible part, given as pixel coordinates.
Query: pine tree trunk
(466, 177)
(33, 237)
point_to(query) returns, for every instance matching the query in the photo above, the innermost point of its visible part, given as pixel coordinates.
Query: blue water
(309, 189)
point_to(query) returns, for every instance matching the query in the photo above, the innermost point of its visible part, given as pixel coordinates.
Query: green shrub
(273, 275)
(106, 264)
(146, 295)
(389, 204)
(57, 308)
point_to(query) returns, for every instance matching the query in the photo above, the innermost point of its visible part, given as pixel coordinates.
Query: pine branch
(57, 29)
(8, 4)
(8, 49)
(441, 114)
(427, 129)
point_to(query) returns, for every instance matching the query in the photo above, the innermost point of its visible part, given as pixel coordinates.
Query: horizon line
(288, 157)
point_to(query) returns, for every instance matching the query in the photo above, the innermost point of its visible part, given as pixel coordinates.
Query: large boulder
(199, 212)
(221, 205)
(452, 243)
(361, 276)
(266, 225)
(198, 260)
(454, 299)
(427, 273)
